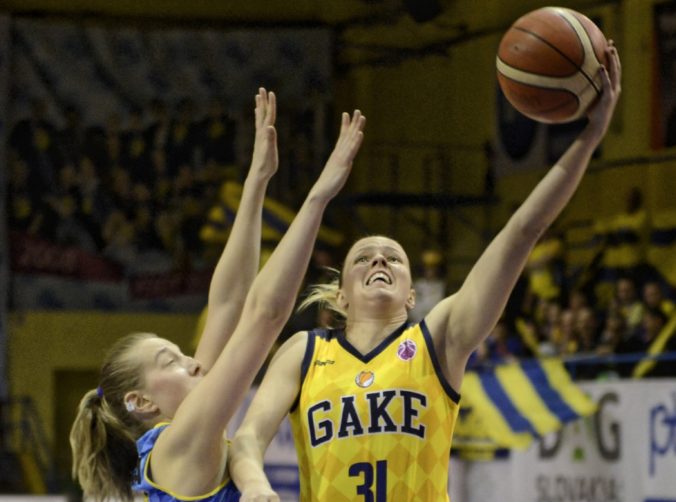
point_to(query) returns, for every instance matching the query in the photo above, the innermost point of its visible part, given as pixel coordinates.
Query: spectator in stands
(217, 133)
(655, 324)
(587, 330)
(118, 237)
(121, 190)
(612, 337)
(300, 153)
(190, 203)
(545, 267)
(162, 182)
(111, 152)
(35, 141)
(120, 234)
(147, 237)
(65, 216)
(183, 137)
(71, 137)
(95, 202)
(627, 303)
(168, 225)
(501, 346)
(135, 151)
(157, 132)
(613, 333)
(430, 287)
(102, 145)
(654, 320)
(25, 208)
(548, 325)
(586, 341)
(654, 298)
(578, 299)
(630, 343)
(566, 339)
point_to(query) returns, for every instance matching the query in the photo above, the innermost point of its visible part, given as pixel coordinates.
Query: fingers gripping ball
(548, 64)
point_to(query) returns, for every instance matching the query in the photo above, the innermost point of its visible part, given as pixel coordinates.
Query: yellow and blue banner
(276, 219)
(509, 405)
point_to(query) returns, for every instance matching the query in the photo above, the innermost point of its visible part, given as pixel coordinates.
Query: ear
(410, 301)
(342, 300)
(136, 402)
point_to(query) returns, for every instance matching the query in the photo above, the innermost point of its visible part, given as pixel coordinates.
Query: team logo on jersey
(407, 350)
(365, 378)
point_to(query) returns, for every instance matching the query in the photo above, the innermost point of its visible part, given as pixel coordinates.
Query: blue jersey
(226, 492)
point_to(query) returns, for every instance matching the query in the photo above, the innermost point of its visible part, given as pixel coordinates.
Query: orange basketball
(548, 63)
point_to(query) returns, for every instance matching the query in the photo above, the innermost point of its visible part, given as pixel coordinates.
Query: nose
(378, 259)
(194, 367)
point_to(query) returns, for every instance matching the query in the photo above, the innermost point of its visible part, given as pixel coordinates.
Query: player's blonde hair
(325, 295)
(103, 435)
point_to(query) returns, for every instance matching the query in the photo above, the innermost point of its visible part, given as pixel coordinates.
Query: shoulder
(147, 441)
(296, 340)
(293, 349)
(439, 319)
(296, 352)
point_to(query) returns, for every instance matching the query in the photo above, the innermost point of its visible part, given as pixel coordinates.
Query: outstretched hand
(339, 165)
(265, 158)
(601, 113)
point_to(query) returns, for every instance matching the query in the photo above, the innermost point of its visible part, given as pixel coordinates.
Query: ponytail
(325, 295)
(103, 435)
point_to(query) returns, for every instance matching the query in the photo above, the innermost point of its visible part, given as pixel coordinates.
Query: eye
(394, 259)
(361, 259)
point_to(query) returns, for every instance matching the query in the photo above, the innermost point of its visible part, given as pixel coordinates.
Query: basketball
(548, 62)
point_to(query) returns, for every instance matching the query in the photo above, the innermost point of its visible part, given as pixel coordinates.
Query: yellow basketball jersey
(374, 427)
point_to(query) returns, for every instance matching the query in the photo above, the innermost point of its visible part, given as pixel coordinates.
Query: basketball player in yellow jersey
(373, 406)
(367, 420)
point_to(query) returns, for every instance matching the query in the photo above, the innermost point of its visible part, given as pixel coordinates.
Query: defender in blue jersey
(156, 423)
(143, 483)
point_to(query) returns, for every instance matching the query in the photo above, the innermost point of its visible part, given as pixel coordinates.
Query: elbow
(247, 442)
(528, 230)
(269, 309)
(245, 435)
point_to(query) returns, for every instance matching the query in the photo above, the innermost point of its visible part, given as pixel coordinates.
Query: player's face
(169, 374)
(376, 268)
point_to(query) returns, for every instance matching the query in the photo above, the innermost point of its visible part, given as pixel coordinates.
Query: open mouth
(379, 277)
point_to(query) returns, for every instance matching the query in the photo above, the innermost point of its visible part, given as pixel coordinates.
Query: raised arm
(210, 405)
(466, 318)
(270, 405)
(238, 264)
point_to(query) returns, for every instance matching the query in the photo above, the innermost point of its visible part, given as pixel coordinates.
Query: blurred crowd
(137, 190)
(134, 189)
(548, 315)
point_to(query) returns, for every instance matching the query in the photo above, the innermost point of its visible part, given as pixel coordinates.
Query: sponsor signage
(624, 453)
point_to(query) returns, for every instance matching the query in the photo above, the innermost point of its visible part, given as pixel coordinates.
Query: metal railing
(576, 363)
